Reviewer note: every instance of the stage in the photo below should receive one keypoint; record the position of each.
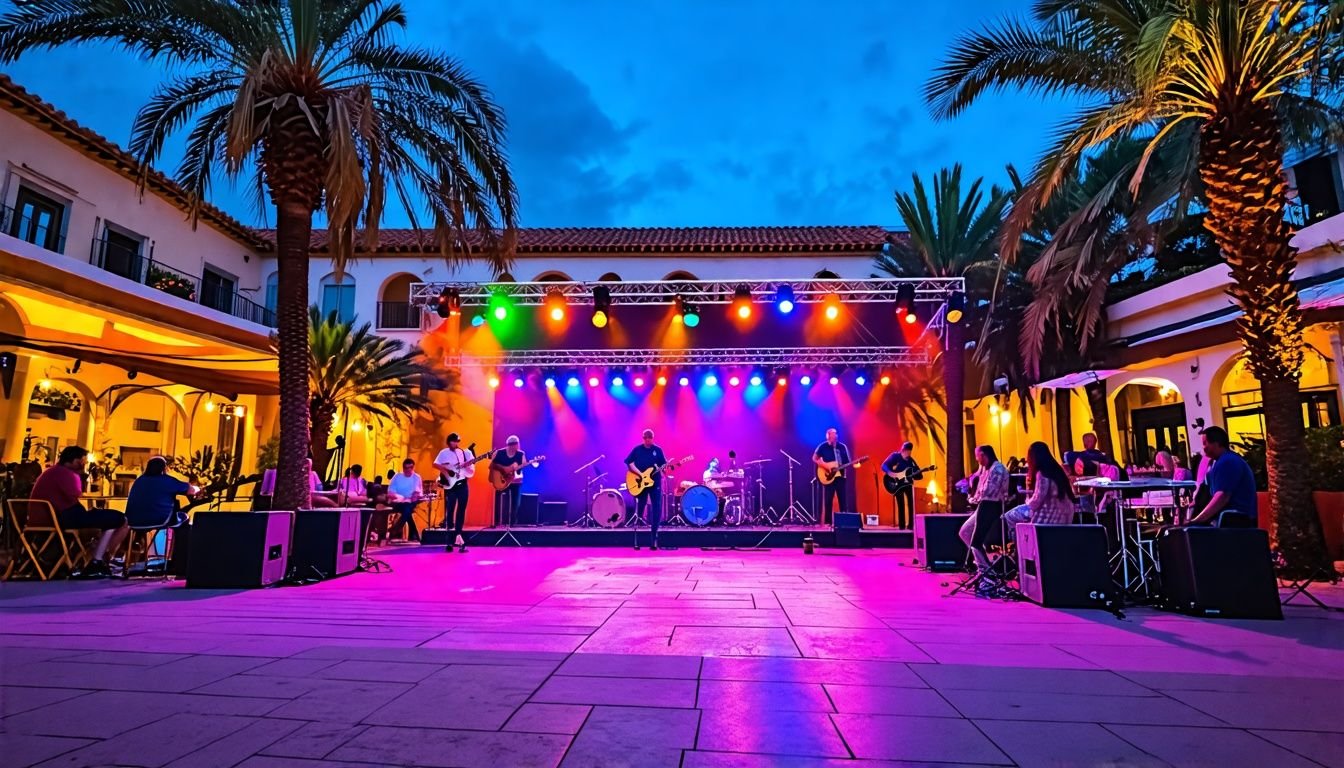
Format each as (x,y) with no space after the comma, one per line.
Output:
(675,537)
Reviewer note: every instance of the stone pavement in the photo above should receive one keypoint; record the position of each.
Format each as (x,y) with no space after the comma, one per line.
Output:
(586,657)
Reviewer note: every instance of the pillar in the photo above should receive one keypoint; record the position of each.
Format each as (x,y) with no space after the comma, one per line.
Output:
(15,407)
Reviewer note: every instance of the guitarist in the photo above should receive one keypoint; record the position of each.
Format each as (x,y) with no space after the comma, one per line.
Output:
(510,458)
(642,457)
(901,461)
(832,453)
(454,464)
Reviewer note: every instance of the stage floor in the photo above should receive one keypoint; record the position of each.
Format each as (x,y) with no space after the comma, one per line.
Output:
(584,657)
(677,537)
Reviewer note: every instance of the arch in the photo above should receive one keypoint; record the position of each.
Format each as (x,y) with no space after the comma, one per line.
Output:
(825,274)
(12,318)
(505,277)
(337,294)
(609,277)
(1149,415)
(679,274)
(552,276)
(272,295)
(397,287)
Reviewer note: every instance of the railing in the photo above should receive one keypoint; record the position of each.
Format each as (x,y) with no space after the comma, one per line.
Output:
(399,315)
(118,259)
(20,226)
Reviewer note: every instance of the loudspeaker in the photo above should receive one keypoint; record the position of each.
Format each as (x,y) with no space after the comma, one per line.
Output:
(554,513)
(1219,572)
(233,550)
(1064,566)
(527,509)
(326,542)
(937,545)
(846,526)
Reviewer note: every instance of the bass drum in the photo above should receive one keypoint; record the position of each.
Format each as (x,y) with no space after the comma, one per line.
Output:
(609,508)
(733,513)
(699,505)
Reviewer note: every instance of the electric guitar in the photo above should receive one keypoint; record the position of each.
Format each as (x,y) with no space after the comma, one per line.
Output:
(828,472)
(639,482)
(502,475)
(895,481)
(448,479)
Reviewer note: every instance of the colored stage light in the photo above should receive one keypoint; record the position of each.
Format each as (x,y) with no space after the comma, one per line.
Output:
(592,381)
(499,305)
(518,382)
(687,312)
(683,381)
(477,320)
(550,382)
(617,382)
(905,303)
(782,381)
(448,303)
(734,381)
(832,305)
(835,380)
(956,307)
(885,380)
(573,381)
(639,381)
(860,380)
(742,301)
(601,306)
(711,380)
(756,380)
(555,304)
(805,381)
(784,299)
(494,382)
(662,381)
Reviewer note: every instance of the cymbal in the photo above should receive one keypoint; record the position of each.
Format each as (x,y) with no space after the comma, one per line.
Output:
(755,461)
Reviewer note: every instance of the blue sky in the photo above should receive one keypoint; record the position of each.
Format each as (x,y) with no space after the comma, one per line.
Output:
(677,113)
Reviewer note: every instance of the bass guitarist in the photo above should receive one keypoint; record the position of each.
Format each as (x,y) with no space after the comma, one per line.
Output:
(902,464)
(832,455)
(645,456)
(456,465)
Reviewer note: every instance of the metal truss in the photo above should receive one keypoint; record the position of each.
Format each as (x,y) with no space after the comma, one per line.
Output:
(681,358)
(666,292)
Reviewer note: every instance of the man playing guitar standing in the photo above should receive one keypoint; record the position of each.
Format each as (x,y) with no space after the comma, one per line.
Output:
(832,454)
(644,456)
(510,460)
(456,466)
(902,462)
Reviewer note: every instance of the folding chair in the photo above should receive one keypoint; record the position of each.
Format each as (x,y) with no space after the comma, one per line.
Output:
(38,530)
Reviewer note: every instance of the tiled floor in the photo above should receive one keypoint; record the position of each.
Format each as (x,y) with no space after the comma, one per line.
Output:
(545,657)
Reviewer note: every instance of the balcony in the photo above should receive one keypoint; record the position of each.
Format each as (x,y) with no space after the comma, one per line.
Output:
(41,231)
(398,315)
(129,263)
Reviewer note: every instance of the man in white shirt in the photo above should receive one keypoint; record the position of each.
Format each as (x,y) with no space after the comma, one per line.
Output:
(456,468)
(404,491)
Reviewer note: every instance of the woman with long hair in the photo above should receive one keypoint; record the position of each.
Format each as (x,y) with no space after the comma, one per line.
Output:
(1052,501)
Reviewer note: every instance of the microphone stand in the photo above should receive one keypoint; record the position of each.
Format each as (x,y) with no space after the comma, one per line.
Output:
(587,520)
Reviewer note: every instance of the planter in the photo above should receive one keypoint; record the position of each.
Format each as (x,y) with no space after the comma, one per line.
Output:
(1330,509)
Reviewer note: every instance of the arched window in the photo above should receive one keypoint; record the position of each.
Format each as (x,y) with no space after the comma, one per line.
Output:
(610,277)
(680,275)
(273,291)
(504,277)
(826,274)
(553,277)
(338,296)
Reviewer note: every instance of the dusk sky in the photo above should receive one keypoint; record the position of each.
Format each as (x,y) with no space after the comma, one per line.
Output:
(691,113)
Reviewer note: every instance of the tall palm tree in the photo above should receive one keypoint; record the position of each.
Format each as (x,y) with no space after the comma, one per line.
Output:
(1220,81)
(355,372)
(316,102)
(949,234)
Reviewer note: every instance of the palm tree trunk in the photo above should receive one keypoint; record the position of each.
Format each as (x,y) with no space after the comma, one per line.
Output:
(323,417)
(294,226)
(1241,154)
(1101,417)
(954,391)
(1063,419)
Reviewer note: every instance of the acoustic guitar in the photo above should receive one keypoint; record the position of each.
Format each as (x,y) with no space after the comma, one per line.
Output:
(828,472)
(502,475)
(464,471)
(639,482)
(895,481)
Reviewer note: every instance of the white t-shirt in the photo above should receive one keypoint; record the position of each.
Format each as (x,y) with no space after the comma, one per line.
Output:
(457,458)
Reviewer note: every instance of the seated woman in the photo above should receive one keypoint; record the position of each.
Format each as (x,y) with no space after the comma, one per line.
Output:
(1165,464)
(352,491)
(318,497)
(1052,501)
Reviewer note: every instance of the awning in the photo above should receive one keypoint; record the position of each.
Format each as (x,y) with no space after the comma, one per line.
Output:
(1079,379)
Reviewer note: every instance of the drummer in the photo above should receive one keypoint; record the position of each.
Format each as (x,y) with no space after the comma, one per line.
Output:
(711,470)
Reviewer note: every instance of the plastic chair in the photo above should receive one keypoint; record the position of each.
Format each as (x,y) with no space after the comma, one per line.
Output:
(38,530)
(148,532)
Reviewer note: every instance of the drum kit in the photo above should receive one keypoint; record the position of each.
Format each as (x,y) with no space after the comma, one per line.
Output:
(733,497)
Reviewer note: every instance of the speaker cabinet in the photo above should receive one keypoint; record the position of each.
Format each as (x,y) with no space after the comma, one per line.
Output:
(326,542)
(847,526)
(937,544)
(236,550)
(528,506)
(1064,566)
(554,513)
(1224,572)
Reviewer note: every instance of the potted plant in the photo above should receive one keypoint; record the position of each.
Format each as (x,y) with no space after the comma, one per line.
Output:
(170,282)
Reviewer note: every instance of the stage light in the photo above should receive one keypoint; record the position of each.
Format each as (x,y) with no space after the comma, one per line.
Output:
(711,380)
(956,307)
(448,303)
(592,381)
(782,381)
(784,299)
(742,301)
(885,380)
(683,381)
(806,380)
(617,381)
(860,380)
(499,305)
(477,320)
(601,306)
(550,382)
(734,381)
(639,381)
(832,305)
(662,381)
(687,312)
(573,381)
(494,382)
(555,304)
(835,380)
(518,382)
(756,380)
(905,303)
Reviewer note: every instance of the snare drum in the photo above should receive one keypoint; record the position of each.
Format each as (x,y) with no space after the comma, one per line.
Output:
(699,505)
(609,508)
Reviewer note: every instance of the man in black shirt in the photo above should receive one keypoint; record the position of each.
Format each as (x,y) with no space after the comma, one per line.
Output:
(902,461)
(510,457)
(642,457)
(832,452)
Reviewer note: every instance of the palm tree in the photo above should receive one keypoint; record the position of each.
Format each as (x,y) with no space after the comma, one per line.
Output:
(314,101)
(1221,82)
(356,372)
(949,234)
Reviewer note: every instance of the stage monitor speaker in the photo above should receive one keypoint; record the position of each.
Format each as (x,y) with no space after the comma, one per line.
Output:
(847,526)
(235,550)
(1223,572)
(527,509)
(554,513)
(1064,566)
(326,542)
(937,545)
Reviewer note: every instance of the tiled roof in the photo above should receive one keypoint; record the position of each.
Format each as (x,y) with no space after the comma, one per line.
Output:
(28,106)
(861,239)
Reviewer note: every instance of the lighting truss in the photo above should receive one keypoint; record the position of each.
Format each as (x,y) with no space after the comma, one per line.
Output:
(702,292)
(678,358)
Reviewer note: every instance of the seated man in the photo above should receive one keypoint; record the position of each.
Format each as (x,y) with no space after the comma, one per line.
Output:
(318,497)
(1231,485)
(404,491)
(62,485)
(352,491)
(152,502)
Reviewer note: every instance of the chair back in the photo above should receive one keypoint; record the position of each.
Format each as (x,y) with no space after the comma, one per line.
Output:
(1109,471)
(268,483)
(32,513)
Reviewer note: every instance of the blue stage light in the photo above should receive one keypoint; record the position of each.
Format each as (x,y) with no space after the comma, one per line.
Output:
(756,380)
(784,299)
(806,380)
(477,321)
(711,380)
(683,381)
(860,380)
(573,381)
(617,382)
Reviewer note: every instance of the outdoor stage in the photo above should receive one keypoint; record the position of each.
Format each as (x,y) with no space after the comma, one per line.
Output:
(585,657)
(676,537)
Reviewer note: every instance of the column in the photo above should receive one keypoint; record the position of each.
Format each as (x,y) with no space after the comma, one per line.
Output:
(16,407)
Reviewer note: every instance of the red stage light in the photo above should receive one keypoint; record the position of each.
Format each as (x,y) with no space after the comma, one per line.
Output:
(885,380)
(744,312)
(832,304)
(910,317)
(782,381)
(494,382)
(662,381)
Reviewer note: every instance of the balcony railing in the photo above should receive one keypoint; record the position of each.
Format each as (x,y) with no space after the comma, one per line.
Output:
(128,263)
(398,315)
(11,223)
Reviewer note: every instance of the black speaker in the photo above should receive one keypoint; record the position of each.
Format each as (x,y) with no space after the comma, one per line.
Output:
(1064,566)
(937,545)
(847,526)
(528,504)
(554,513)
(233,550)
(326,542)
(1223,572)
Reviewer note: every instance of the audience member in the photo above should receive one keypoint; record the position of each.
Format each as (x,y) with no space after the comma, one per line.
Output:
(352,491)
(62,485)
(1231,485)
(152,501)
(1052,501)
(991,483)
